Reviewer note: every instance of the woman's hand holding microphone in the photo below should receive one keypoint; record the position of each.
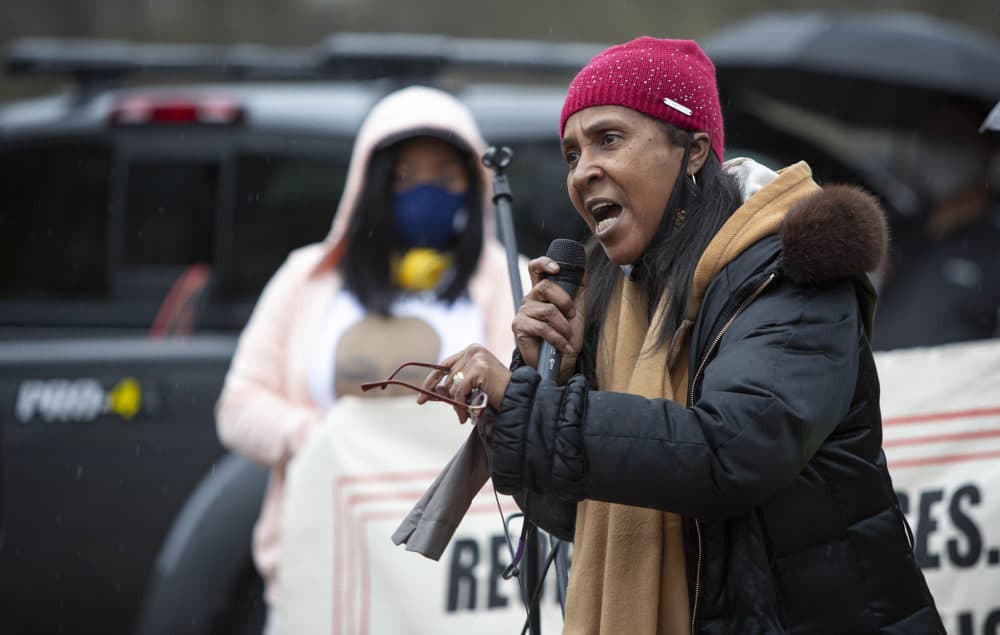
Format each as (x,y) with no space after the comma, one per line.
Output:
(547,313)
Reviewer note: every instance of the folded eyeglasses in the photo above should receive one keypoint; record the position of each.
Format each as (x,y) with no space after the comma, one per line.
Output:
(474,404)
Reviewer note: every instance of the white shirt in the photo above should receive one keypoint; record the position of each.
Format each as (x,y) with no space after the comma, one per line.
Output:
(456,326)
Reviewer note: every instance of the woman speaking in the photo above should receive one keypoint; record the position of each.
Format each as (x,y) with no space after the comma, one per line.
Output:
(716,417)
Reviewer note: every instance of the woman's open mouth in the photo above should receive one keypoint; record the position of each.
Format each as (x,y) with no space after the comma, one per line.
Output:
(606,214)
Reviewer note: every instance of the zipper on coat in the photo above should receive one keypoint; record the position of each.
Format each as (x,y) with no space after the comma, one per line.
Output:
(725,327)
(694,382)
(697,577)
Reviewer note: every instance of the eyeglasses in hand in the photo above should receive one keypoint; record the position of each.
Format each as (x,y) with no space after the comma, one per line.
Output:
(473,405)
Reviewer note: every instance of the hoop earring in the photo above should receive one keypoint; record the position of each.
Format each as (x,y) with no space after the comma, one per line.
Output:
(693,180)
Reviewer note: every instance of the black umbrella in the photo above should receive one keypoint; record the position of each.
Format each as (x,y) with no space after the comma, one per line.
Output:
(992,121)
(876,68)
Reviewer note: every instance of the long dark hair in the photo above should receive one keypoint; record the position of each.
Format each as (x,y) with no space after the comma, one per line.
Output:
(669,262)
(372,239)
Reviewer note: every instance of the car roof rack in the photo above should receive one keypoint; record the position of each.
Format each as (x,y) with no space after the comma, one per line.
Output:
(339,56)
(401,54)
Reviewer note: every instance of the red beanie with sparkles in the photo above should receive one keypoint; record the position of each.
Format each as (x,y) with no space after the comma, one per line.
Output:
(670,80)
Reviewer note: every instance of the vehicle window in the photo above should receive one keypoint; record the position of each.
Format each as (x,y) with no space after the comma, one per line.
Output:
(542,210)
(170,211)
(53,220)
(282,202)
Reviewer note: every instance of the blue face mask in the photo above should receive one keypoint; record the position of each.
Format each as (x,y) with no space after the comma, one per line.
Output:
(429,216)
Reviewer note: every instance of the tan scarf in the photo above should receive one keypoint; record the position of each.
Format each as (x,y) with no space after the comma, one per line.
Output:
(629,573)
(628,562)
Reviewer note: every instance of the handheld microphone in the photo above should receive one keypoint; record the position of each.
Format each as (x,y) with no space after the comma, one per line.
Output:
(572,259)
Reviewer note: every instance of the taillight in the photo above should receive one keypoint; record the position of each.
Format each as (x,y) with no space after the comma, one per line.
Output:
(151,110)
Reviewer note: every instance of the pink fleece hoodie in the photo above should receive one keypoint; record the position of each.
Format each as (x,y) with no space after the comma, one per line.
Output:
(265,412)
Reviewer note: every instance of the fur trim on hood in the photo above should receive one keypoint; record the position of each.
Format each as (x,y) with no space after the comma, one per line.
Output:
(838,232)
(827,233)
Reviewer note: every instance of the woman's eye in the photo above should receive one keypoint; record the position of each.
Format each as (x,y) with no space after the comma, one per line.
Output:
(609,137)
(572,156)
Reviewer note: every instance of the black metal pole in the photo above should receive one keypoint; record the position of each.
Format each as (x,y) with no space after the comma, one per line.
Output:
(498,159)
(532,578)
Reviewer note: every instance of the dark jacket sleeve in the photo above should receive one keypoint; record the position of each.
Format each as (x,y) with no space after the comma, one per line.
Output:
(551,512)
(782,380)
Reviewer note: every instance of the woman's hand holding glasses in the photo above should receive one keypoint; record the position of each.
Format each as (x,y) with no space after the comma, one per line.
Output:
(473,378)
(465,374)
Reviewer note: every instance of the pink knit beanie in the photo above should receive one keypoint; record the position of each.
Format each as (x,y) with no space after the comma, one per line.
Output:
(670,80)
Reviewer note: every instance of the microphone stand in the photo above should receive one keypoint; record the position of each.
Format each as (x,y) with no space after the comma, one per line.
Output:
(498,160)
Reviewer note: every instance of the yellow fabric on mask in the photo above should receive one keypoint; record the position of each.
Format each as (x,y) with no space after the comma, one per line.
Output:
(420,268)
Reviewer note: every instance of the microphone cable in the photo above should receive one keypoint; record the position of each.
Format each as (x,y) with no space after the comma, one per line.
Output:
(512,570)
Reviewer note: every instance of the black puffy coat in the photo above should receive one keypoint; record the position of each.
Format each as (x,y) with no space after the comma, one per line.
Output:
(776,463)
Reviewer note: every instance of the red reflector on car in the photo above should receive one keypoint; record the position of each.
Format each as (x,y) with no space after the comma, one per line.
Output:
(150,110)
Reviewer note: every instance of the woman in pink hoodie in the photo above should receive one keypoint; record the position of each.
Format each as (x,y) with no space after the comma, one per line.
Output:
(410,270)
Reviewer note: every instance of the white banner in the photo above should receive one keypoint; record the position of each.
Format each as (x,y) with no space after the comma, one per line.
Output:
(941,414)
(366,467)
(346,493)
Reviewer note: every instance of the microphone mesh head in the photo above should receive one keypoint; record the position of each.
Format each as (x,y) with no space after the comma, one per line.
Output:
(572,259)
(565,251)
